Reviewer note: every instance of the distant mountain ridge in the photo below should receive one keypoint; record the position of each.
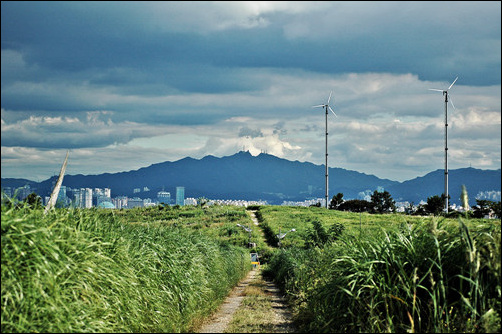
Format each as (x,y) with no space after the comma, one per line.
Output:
(267,177)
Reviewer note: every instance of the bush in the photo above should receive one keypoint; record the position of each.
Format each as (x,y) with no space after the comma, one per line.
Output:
(317,236)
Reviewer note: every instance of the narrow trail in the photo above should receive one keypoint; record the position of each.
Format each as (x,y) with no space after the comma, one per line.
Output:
(252,213)
(219,321)
(277,317)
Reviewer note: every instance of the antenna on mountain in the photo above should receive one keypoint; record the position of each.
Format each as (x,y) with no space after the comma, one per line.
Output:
(326,107)
(445,93)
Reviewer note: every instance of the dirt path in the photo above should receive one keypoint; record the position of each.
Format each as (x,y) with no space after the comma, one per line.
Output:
(219,321)
(252,213)
(275,317)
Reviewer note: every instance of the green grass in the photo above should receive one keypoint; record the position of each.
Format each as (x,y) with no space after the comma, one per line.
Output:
(301,218)
(396,274)
(163,269)
(95,271)
(218,222)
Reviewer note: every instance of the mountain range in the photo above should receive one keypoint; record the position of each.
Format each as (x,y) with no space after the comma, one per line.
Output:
(267,177)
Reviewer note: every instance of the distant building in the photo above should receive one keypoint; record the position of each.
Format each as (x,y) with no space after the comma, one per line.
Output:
(7,192)
(134,202)
(120,202)
(62,200)
(23,192)
(180,195)
(82,197)
(190,201)
(147,202)
(106,205)
(100,195)
(86,197)
(164,197)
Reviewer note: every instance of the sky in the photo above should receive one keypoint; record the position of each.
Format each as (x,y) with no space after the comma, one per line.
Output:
(123,85)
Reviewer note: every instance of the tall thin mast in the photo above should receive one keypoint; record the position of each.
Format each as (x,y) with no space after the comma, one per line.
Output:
(446,151)
(326,107)
(445,93)
(326,156)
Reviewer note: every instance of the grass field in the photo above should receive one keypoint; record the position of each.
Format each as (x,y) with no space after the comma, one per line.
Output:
(110,271)
(387,273)
(163,269)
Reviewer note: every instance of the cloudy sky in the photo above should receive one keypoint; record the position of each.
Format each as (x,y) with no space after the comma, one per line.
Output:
(123,85)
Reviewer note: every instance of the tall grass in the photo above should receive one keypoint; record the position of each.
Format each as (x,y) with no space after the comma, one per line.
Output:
(428,277)
(88,271)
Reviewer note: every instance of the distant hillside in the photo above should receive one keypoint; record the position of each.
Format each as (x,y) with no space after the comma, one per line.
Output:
(475,181)
(267,177)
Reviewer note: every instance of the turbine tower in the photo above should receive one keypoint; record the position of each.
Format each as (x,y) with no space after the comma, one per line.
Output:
(326,107)
(445,93)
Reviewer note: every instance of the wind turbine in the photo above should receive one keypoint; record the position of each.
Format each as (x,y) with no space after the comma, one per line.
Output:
(326,107)
(445,93)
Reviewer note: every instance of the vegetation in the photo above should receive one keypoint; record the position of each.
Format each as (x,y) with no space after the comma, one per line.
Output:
(404,273)
(484,207)
(165,269)
(97,271)
(381,202)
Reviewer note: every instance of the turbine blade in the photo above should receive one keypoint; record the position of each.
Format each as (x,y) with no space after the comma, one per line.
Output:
(453,83)
(329,98)
(321,105)
(437,90)
(451,101)
(332,111)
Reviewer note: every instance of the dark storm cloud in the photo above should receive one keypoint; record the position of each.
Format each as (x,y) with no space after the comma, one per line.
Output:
(248,132)
(69,37)
(214,66)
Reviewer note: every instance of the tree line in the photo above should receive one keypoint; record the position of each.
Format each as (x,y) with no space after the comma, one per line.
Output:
(382,202)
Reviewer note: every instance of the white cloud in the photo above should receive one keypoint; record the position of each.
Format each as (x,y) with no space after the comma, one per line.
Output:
(71,132)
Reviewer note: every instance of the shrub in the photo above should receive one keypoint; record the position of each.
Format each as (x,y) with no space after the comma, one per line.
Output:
(317,236)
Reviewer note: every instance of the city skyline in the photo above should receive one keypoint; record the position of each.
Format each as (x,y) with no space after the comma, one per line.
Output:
(124,85)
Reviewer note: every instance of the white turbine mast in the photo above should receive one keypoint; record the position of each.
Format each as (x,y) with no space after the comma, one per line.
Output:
(326,107)
(445,94)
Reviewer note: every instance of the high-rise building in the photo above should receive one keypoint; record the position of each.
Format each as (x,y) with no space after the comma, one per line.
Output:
(120,202)
(180,195)
(85,198)
(164,197)
(62,199)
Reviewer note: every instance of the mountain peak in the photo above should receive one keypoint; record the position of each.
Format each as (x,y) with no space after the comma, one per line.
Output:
(268,177)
